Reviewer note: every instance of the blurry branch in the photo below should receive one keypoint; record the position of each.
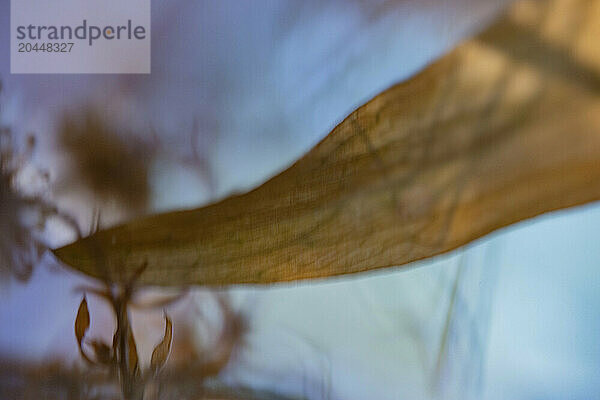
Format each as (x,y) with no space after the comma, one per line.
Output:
(23,215)
(212,360)
(121,361)
(112,163)
(198,368)
(200,142)
(53,381)
(504,128)
(121,358)
(123,374)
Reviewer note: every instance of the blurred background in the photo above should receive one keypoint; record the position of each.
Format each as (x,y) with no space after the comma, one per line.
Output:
(238,91)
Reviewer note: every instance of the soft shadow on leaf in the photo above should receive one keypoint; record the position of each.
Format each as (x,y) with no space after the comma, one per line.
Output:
(485,137)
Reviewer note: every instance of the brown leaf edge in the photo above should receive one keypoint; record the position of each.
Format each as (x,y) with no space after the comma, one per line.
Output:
(162,350)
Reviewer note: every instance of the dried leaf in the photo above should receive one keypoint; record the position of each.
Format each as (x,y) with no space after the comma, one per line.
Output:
(162,350)
(82,321)
(481,139)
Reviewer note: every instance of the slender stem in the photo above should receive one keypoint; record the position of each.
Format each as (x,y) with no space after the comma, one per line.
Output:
(127,376)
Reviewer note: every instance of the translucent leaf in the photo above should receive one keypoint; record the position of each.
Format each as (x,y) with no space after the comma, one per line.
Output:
(491,134)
